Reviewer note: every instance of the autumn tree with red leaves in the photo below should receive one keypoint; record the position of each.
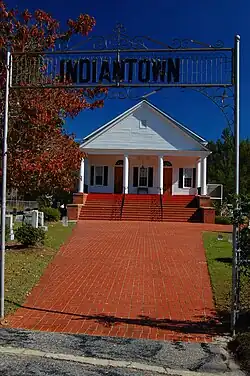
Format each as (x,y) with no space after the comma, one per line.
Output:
(42,158)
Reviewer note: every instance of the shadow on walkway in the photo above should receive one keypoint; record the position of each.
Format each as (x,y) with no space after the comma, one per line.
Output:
(211,325)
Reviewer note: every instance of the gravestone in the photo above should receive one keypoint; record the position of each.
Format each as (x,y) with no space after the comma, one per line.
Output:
(34,219)
(40,219)
(31,218)
(9,223)
(27,219)
(65,221)
(19,218)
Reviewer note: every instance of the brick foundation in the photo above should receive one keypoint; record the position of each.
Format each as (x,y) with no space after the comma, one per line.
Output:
(79,198)
(204,201)
(73,211)
(208,215)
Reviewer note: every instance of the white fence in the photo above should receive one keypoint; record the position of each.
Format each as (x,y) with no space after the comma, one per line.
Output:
(21,205)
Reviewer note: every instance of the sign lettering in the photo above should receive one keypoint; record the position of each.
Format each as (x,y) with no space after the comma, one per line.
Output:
(129,70)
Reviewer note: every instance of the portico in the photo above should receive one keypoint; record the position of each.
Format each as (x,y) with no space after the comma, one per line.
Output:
(130,173)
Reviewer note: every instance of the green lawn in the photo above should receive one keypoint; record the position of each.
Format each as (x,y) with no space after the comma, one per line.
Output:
(25,267)
(219,257)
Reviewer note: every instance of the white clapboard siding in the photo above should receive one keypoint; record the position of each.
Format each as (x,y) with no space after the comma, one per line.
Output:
(160,134)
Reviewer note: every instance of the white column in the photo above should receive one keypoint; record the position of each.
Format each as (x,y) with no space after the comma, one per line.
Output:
(204,177)
(160,168)
(81,181)
(125,174)
(198,173)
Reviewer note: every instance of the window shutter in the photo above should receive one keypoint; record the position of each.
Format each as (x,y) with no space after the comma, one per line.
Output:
(194,177)
(92,173)
(135,177)
(150,176)
(180,177)
(105,180)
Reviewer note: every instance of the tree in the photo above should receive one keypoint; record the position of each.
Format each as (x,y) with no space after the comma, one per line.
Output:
(221,164)
(41,156)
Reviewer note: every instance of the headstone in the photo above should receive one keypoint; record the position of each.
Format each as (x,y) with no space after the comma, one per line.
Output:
(27,218)
(41,219)
(34,219)
(9,223)
(31,218)
(65,221)
(19,218)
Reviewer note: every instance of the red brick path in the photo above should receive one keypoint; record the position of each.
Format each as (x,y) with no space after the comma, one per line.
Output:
(128,279)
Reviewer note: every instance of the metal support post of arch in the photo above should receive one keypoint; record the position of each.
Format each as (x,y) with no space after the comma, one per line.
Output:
(236,250)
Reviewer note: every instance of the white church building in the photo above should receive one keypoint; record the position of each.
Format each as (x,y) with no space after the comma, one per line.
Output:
(144,151)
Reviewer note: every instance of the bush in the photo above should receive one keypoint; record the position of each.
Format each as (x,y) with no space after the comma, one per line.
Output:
(217,205)
(241,348)
(223,220)
(28,235)
(51,214)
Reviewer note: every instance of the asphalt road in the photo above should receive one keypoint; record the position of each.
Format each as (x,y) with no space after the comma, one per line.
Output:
(41,354)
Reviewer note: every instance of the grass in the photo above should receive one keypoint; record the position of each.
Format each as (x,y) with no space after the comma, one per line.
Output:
(219,258)
(25,266)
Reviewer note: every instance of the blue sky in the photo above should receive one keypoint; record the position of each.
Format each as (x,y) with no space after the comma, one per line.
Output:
(206,21)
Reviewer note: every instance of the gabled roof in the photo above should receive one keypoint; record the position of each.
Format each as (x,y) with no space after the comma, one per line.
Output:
(110,124)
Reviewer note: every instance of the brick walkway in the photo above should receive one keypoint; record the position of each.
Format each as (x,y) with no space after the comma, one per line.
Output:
(128,279)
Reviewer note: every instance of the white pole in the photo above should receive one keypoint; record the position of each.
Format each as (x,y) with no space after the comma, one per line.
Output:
(4,180)
(81,181)
(198,173)
(204,177)
(126,174)
(235,276)
(161,168)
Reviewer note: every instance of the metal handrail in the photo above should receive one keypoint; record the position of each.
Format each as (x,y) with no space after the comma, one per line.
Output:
(123,201)
(161,203)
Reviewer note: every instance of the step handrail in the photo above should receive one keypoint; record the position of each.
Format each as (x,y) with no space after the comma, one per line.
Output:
(123,201)
(161,204)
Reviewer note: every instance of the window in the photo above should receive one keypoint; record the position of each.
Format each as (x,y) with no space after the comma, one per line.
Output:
(99,175)
(187,177)
(143,124)
(143,176)
(119,162)
(143,179)
(167,164)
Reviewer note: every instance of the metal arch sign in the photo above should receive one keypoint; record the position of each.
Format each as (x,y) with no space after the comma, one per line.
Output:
(120,61)
(124,62)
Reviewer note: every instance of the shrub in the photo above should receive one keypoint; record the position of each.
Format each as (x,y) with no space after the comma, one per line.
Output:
(217,205)
(28,235)
(51,214)
(223,220)
(241,348)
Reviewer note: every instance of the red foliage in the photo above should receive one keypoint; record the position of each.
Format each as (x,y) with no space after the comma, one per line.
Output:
(41,157)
